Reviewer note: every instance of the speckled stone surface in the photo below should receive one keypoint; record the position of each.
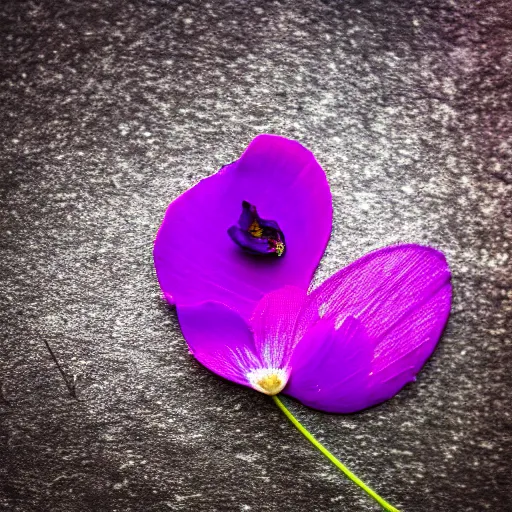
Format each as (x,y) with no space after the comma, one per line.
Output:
(109,110)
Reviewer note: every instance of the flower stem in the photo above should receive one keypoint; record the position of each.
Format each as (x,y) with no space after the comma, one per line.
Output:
(383,503)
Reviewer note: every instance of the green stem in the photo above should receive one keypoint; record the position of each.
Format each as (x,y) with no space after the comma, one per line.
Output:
(384,504)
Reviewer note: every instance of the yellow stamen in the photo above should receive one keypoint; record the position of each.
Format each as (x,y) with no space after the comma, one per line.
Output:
(270,381)
(279,248)
(272,384)
(255,229)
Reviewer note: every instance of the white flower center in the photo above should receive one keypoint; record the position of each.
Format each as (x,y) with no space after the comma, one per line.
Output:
(270,381)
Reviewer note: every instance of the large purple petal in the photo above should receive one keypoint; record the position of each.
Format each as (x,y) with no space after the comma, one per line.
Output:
(401,295)
(330,369)
(220,340)
(197,261)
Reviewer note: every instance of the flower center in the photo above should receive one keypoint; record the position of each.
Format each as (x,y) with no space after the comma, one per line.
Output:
(270,381)
(272,384)
(256,235)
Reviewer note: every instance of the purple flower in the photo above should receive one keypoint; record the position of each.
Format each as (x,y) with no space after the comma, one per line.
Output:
(353,342)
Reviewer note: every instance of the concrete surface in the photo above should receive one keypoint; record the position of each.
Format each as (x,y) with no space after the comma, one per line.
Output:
(109,110)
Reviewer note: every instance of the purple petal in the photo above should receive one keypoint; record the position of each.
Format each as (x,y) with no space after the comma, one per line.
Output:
(401,295)
(273,323)
(330,367)
(197,261)
(219,339)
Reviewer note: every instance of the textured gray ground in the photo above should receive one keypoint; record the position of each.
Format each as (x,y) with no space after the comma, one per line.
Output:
(109,110)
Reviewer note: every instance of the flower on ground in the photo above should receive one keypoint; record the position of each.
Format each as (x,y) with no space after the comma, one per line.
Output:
(352,342)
